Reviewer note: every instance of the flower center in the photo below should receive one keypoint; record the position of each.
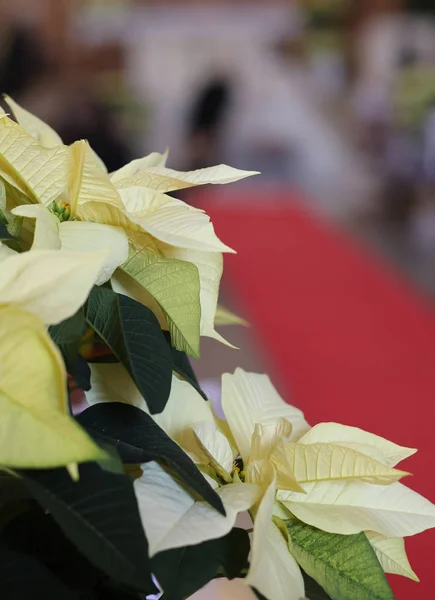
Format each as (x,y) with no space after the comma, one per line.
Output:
(62,210)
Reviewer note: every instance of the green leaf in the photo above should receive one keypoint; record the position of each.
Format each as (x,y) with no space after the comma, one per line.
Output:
(138,439)
(313,591)
(133,333)
(183,367)
(37,534)
(82,374)
(99,515)
(23,577)
(4,233)
(345,566)
(258,595)
(183,571)
(175,285)
(68,336)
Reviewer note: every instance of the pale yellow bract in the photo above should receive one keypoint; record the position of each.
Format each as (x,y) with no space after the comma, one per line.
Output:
(40,288)
(128,213)
(336,478)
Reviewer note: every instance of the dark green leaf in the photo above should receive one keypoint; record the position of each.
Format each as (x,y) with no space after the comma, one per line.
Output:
(12,489)
(110,590)
(345,566)
(138,439)
(258,595)
(99,514)
(183,367)
(22,577)
(14,498)
(4,233)
(183,571)
(313,591)
(82,375)
(36,533)
(133,333)
(67,336)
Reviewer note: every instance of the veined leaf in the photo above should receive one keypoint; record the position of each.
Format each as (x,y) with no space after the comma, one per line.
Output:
(166,180)
(273,571)
(285,476)
(99,515)
(68,336)
(372,445)
(155,159)
(314,591)
(171,221)
(248,399)
(172,518)
(51,284)
(37,172)
(216,448)
(89,182)
(175,286)
(391,554)
(210,268)
(36,430)
(345,566)
(182,367)
(183,571)
(112,383)
(349,507)
(139,439)
(134,335)
(325,462)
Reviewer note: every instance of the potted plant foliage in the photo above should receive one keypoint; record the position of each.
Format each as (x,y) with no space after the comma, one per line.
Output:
(107,284)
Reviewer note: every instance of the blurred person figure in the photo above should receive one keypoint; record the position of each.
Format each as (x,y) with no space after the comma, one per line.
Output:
(22,59)
(99,125)
(423,222)
(429,146)
(206,121)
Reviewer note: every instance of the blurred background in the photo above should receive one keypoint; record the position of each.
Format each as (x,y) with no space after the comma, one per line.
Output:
(334,102)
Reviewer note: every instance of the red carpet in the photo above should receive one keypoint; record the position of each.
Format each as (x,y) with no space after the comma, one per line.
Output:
(350,340)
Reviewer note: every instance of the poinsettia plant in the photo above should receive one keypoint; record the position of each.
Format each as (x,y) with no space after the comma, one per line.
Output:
(109,283)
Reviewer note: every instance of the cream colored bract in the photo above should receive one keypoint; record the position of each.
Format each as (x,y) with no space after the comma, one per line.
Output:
(67,226)
(128,209)
(36,289)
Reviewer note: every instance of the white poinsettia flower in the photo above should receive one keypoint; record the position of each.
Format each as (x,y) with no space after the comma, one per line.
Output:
(37,289)
(173,518)
(353,505)
(190,521)
(391,554)
(336,478)
(180,231)
(5,251)
(49,284)
(257,419)
(152,172)
(273,571)
(76,236)
(112,383)
(73,183)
